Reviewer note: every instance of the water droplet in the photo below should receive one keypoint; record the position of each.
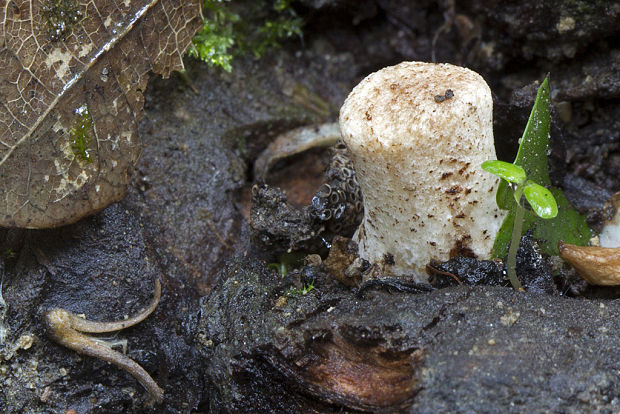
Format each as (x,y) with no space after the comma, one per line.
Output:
(326,243)
(339,211)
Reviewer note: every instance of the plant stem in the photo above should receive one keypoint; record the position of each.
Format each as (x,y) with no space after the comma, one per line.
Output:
(511,265)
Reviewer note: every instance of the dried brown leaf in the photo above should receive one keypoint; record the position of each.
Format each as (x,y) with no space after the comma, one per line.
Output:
(71,87)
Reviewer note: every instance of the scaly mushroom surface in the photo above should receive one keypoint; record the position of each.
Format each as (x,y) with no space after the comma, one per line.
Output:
(417,134)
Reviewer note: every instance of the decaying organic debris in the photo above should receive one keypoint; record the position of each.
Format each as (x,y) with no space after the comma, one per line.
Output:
(336,207)
(71,87)
(597,265)
(610,233)
(68,330)
(451,350)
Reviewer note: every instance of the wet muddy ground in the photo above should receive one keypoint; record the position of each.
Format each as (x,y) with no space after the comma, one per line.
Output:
(230,334)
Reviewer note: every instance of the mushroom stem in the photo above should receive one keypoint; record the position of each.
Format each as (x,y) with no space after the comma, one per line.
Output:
(417,134)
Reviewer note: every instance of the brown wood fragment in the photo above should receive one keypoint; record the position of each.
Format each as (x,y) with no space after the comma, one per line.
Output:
(598,265)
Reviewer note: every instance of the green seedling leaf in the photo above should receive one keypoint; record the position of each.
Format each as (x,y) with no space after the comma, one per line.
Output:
(568,226)
(278,267)
(541,200)
(532,157)
(507,171)
(287,261)
(533,147)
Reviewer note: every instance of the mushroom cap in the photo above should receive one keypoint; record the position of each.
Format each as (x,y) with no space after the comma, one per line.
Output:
(397,106)
(417,133)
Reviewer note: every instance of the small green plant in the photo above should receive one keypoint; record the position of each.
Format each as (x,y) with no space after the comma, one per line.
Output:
(213,43)
(539,198)
(229,32)
(287,261)
(278,267)
(271,32)
(551,216)
(8,254)
(302,291)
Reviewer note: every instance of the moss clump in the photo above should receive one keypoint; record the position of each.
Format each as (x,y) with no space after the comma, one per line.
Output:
(60,17)
(80,134)
(232,29)
(213,43)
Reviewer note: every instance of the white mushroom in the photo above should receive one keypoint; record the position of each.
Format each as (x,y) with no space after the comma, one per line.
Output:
(417,134)
(610,234)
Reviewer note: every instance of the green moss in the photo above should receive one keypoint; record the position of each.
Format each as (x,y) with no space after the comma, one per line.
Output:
(80,134)
(214,42)
(231,29)
(271,32)
(60,17)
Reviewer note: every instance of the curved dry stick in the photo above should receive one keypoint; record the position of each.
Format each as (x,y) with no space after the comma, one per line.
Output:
(83,325)
(66,329)
(295,142)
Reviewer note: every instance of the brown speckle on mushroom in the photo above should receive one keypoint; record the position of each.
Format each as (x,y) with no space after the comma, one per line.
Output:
(403,117)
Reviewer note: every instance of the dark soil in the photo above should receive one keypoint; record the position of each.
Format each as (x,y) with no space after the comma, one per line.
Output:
(231,335)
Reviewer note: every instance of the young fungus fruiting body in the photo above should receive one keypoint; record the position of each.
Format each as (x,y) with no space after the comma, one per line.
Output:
(417,134)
